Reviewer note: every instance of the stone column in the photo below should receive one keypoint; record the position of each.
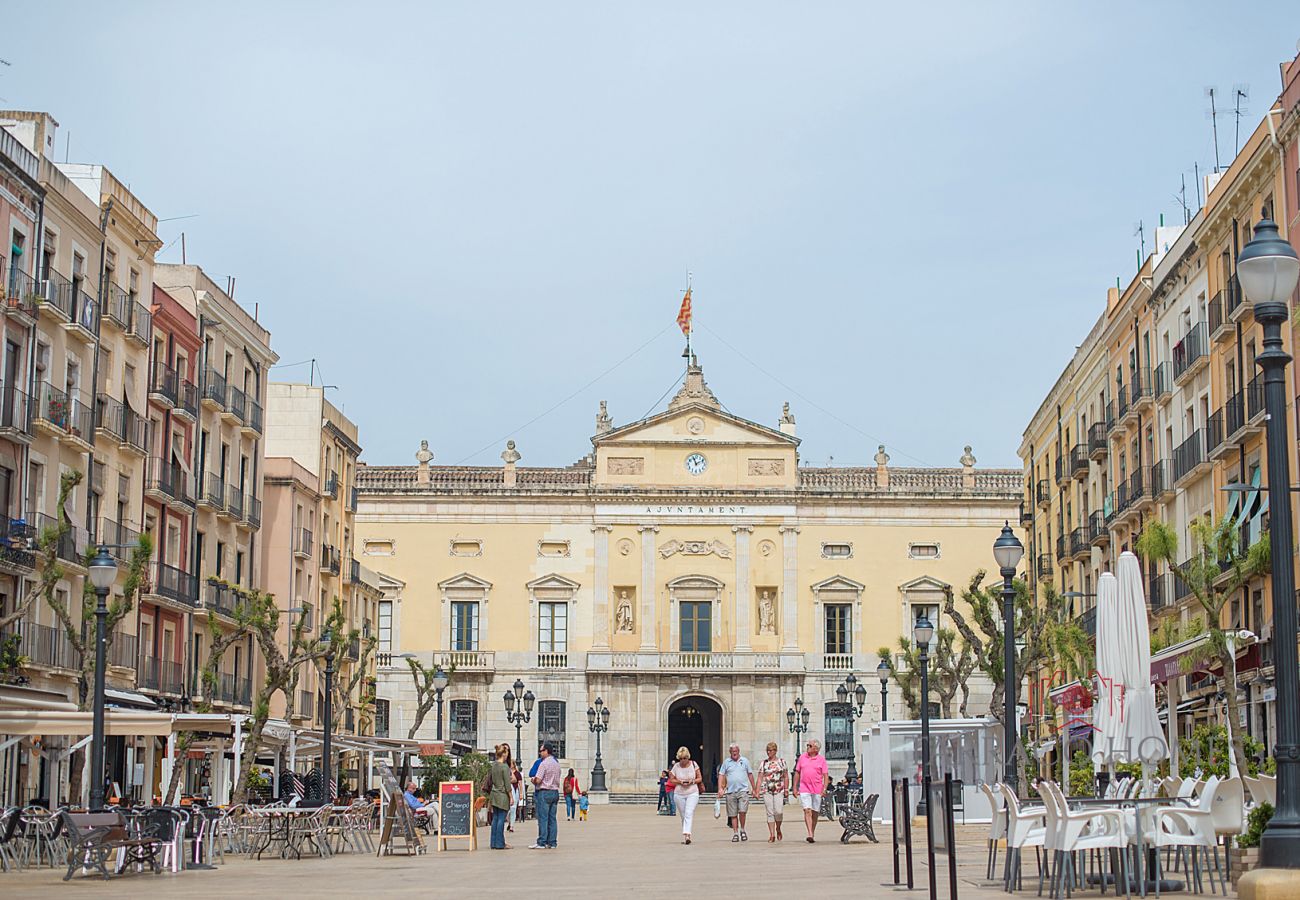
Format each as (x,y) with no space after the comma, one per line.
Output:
(744,593)
(600,602)
(648,636)
(790,587)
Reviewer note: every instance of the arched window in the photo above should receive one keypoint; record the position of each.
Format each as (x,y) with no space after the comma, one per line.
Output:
(463,722)
(550,724)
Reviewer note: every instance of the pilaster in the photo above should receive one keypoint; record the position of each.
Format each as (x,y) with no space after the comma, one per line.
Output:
(648,625)
(744,598)
(600,630)
(790,588)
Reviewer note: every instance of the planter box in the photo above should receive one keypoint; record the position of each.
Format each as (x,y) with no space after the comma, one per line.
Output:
(1242,860)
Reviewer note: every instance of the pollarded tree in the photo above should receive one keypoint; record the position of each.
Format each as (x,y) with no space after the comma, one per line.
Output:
(1218,569)
(336,624)
(426,691)
(950,670)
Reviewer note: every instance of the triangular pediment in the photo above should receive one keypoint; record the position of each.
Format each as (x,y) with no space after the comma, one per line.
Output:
(553,582)
(389,583)
(924,584)
(695,423)
(465,581)
(838,583)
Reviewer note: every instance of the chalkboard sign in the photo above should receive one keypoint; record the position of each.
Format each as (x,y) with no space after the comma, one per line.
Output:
(456,813)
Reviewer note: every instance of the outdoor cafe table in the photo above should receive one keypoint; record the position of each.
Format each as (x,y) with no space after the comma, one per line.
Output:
(1147,860)
(280,828)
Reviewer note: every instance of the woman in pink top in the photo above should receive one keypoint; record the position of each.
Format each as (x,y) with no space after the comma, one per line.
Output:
(813,776)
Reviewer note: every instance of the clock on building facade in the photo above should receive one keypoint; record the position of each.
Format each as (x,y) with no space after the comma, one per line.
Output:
(696,463)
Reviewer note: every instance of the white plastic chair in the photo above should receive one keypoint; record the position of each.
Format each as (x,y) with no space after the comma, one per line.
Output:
(1025,828)
(997,824)
(1262,789)
(1182,828)
(1070,832)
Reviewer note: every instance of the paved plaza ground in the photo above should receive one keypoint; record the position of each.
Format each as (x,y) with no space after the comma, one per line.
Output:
(621,850)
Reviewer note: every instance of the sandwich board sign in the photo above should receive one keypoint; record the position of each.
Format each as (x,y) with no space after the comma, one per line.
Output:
(456,806)
(398,820)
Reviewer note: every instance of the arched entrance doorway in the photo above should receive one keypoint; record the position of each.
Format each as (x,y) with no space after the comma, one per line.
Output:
(696,724)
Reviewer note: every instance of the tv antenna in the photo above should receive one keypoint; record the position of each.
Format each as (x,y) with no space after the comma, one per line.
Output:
(1140,233)
(1240,96)
(1213,113)
(1181,197)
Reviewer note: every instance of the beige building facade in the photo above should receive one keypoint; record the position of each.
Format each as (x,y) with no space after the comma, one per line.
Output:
(688,571)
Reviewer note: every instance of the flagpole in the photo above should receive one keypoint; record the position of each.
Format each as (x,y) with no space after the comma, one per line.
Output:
(690,324)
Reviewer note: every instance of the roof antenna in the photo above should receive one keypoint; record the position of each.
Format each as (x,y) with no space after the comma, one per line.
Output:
(1196,172)
(1182,198)
(1213,114)
(1240,92)
(1140,233)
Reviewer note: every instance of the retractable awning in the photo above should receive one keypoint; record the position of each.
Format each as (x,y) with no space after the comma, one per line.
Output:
(15,696)
(122,722)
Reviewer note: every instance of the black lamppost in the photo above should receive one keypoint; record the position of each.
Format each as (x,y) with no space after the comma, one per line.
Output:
(440,680)
(1008,551)
(1268,269)
(327,760)
(853,695)
(598,724)
(922,633)
(103,572)
(524,700)
(882,672)
(797,718)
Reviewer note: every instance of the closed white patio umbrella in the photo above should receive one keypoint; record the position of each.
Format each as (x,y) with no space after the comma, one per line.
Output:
(1142,738)
(1106,718)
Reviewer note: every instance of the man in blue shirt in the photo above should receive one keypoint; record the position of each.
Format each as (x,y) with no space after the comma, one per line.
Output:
(736,782)
(412,800)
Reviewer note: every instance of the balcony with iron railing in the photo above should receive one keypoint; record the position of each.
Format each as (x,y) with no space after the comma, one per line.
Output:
(1122,395)
(110,416)
(1191,353)
(187,400)
(1190,458)
(117,305)
(67,415)
(1026,515)
(252,416)
(221,597)
(162,676)
(17,547)
(354,571)
(351,504)
(330,560)
(1162,479)
(43,645)
(1098,440)
(302,545)
(234,502)
(72,546)
(306,707)
(252,511)
(140,329)
(84,325)
(1098,532)
(175,584)
(1220,325)
(233,690)
(123,651)
(332,485)
(1062,548)
(1143,393)
(1044,567)
(1088,622)
(1235,304)
(163,385)
(15,414)
(119,538)
(213,495)
(1139,488)
(19,292)
(54,297)
(1158,592)
(236,405)
(213,394)
(1079,461)
(1162,380)
(1080,544)
(168,483)
(1043,492)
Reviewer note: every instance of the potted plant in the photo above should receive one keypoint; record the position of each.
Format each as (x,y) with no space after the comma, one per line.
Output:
(1245,855)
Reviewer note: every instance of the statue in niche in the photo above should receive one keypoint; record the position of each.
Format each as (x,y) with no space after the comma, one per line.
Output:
(766,613)
(623,614)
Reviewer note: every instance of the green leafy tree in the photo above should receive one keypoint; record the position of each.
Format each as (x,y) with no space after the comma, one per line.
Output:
(345,685)
(1218,569)
(950,671)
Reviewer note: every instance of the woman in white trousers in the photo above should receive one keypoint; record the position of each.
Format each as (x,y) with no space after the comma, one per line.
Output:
(686,778)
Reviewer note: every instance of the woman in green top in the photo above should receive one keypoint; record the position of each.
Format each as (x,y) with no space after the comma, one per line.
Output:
(499,797)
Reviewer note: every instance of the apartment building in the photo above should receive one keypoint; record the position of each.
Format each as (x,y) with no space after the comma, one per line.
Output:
(1182,415)
(309,438)
(230,358)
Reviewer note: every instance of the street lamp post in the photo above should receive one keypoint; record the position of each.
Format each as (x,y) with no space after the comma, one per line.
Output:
(598,724)
(440,680)
(519,709)
(922,633)
(327,760)
(855,696)
(1008,551)
(1268,269)
(882,672)
(103,572)
(797,718)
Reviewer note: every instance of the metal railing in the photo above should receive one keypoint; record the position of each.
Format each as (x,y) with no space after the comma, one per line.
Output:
(1255,398)
(1217,315)
(175,584)
(161,675)
(329,559)
(1190,350)
(235,501)
(332,485)
(72,547)
(170,480)
(1163,380)
(1097,530)
(67,412)
(43,645)
(1088,622)
(1141,386)
(141,327)
(1080,542)
(1215,431)
(1162,478)
(236,402)
(117,304)
(122,652)
(1232,297)
(253,511)
(119,538)
(110,417)
(1043,492)
(1079,460)
(1189,454)
(163,383)
(214,491)
(1044,568)
(214,387)
(55,294)
(253,415)
(1098,443)
(303,542)
(15,410)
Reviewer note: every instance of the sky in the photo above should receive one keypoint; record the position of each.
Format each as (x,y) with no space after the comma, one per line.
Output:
(479,219)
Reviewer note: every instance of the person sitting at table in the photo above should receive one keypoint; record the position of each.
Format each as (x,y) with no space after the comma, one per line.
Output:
(412,800)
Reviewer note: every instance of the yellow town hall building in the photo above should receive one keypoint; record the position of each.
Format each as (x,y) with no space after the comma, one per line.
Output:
(688,571)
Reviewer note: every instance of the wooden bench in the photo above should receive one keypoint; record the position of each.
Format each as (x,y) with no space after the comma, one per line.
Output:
(94,837)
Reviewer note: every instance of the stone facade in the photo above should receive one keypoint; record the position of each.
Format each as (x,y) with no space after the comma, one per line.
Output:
(688,571)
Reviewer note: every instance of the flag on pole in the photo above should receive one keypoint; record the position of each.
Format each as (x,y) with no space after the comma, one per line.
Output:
(684,315)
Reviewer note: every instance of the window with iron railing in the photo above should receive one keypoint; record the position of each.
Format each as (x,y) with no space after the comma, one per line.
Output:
(839,731)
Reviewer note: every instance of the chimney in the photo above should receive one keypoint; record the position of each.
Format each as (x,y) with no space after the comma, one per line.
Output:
(786,425)
(510,456)
(422,458)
